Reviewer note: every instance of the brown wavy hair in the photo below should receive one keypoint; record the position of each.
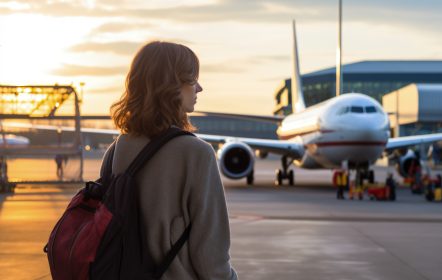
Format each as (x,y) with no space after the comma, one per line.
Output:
(151,102)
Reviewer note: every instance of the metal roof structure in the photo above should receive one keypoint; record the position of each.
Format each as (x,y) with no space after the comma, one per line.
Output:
(385,67)
(32,100)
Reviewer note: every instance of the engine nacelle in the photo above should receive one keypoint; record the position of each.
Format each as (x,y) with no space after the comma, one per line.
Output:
(236,160)
(405,162)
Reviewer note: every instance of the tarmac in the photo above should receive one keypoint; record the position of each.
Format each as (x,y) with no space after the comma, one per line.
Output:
(299,232)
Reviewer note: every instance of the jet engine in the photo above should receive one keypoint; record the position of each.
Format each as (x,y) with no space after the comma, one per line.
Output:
(236,160)
(405,162)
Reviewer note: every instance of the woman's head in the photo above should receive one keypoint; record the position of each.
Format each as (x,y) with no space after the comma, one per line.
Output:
(161,88)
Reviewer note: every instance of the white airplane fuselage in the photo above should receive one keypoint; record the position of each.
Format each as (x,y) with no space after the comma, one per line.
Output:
(351,128)
(13,140)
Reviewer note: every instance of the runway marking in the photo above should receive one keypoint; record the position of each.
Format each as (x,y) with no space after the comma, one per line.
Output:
(247,217)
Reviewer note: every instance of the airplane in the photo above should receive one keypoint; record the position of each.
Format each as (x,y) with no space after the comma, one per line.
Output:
(348,131)
(13,140)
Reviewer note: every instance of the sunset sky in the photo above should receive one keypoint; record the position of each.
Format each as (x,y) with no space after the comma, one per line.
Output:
(244,46)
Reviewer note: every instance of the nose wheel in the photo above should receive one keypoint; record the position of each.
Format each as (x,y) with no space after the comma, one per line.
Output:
(362,175)
(284,173)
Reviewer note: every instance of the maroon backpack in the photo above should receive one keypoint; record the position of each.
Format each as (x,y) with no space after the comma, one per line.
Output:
(101,234)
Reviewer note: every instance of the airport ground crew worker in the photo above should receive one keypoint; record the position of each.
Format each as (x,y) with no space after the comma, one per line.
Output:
(181,184)
(391,185)
(438,188)
(340,180)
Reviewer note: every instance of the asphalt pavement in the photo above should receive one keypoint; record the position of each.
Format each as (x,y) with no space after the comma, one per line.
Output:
(299,232)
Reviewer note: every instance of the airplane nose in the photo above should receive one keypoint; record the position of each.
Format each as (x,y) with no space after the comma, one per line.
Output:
(363,123)
(364,128)
(369,126)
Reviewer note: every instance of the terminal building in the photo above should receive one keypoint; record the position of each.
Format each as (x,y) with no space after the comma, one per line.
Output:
(374,78)
(234,127)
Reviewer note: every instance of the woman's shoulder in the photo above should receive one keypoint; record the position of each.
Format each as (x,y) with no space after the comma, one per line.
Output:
(194,144)
(185,145)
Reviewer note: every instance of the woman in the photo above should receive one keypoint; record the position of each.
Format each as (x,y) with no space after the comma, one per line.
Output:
(181,184)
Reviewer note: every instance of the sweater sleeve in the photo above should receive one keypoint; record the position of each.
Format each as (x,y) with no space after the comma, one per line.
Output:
(209,240)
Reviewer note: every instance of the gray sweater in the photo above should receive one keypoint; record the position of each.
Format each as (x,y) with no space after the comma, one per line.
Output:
(179,186)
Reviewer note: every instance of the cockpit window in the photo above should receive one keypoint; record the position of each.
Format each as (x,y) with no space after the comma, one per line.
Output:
(370,109)
(343,110)
(357,109)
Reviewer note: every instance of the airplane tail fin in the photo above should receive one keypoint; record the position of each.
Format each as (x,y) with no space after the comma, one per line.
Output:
(298,103)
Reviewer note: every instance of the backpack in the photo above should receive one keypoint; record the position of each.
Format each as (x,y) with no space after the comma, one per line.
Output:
(101,234)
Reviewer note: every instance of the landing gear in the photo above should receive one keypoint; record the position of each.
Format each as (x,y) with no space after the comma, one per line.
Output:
(291,178)
(370,176)
(361,175)
(250,178)
(364,174)
(283,173)
(279,178)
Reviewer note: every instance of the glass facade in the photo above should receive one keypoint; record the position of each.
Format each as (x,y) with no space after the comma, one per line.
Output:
(234,127)
(316,92)
(420,128)
(374,78)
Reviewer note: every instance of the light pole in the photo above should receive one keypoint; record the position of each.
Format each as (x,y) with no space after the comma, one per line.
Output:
(339,82)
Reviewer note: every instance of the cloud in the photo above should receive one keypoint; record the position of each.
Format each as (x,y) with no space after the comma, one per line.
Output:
(424,14)
(227,10)
(226,67)
(120,48)
(267,59)
(81,70)
(117,27)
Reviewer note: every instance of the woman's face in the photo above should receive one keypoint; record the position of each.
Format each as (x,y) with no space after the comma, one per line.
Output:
(188,96)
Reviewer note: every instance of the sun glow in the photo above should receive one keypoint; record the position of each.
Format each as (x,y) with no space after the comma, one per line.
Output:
(31,46)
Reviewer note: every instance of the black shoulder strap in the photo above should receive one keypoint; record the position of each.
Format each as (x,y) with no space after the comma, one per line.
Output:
(152,147)
(172,253)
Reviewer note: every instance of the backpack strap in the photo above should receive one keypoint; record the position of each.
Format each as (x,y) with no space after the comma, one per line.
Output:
(152,147)
(172,253)
(141,159)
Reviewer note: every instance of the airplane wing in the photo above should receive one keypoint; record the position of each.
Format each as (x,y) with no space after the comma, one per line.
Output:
(271,119)
(281,147)
(402,142)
